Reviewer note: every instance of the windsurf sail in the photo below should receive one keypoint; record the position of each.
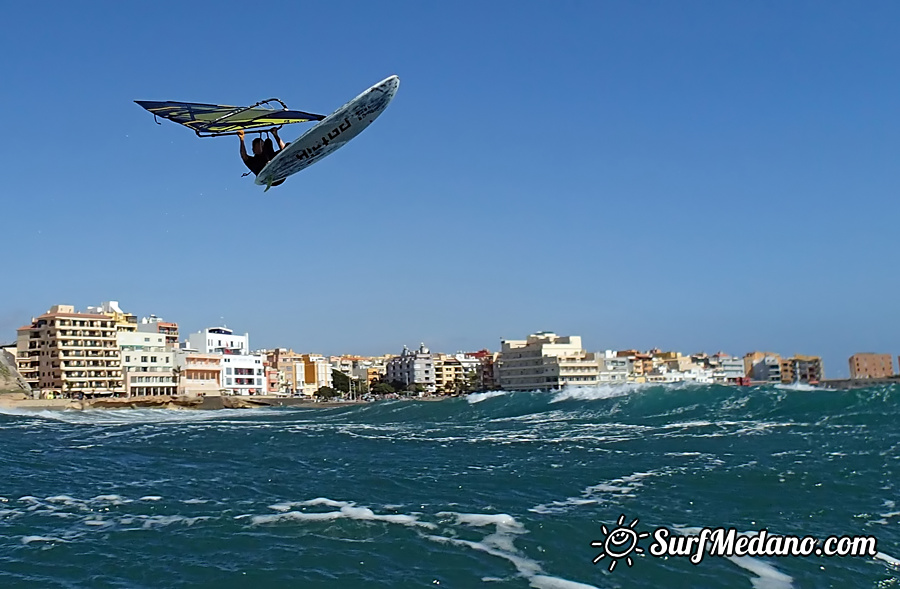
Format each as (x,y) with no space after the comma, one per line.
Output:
(210,120)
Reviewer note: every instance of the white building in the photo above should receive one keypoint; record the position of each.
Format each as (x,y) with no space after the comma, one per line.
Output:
(244,374)
(729,370)
(219,340)
(146,364)
(612,368)
(545,361)
(411,368)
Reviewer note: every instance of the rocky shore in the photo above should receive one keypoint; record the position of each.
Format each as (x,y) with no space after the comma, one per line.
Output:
(23,402)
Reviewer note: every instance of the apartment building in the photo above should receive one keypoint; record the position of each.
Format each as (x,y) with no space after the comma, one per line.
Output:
(291,369)
(243,373)
(450,376)
(545,361)
(868,365)
(728,369)
(487,369)
(316,373)
(766,369)
(154,324)
(612,369)
(754,358)
(806,369)
(147,364)
(198,374)
(70,353)
(219,340)
(412,368)
(126,322)
(640,364)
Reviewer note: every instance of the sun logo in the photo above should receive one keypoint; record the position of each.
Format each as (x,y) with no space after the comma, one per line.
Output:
(620,542)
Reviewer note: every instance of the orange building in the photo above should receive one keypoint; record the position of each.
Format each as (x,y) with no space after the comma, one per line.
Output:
(868,365)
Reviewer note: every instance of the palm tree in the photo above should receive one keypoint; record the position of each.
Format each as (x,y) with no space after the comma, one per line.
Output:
(176,376)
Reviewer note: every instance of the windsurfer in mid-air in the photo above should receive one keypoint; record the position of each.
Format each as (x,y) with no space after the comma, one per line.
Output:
(263,152)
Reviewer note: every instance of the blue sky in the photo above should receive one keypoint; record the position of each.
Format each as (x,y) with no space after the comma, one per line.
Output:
(691,176)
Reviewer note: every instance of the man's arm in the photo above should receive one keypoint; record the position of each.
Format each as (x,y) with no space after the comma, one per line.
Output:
(281,144)
(244,155)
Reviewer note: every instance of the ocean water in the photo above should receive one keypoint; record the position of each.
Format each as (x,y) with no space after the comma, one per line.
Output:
(493,490)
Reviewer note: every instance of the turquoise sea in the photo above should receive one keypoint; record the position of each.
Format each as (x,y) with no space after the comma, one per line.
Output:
(493,490)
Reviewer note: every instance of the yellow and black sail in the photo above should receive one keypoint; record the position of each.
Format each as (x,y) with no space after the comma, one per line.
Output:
(209,120)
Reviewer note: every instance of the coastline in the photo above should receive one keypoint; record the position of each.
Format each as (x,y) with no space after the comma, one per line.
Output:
(19,401)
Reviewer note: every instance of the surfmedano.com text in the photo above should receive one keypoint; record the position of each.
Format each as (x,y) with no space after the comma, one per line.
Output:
(728,542)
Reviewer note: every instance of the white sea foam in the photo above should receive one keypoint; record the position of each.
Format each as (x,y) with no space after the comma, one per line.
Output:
(61,499)
(30,539)
(888,559)
(167,520)
(125,416)
(500,543)
(767,576)
(347,511)
(594,393)
(324,501)
(479,397)
(545,582)
(150,498)
(622,487)
(114,499)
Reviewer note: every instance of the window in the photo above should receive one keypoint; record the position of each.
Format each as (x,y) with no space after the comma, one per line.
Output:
(128,358)
(146,339)
(153,358)
(228,370)
(143,358)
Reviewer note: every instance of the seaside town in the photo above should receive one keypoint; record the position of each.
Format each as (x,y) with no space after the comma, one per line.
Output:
(105,352)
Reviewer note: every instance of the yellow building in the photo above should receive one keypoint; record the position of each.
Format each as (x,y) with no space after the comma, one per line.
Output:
(126,322)
(449,374)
